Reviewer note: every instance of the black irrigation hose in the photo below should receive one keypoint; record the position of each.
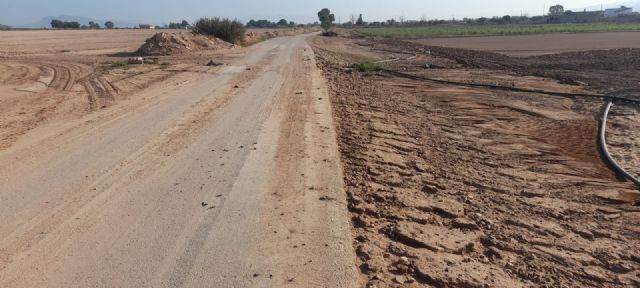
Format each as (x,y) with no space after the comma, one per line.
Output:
(514,89)
(603,122)
(605,152)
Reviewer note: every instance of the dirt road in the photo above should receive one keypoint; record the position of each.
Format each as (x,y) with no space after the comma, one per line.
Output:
(225,177)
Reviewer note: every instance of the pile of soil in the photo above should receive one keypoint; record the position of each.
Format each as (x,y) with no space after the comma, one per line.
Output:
(165,44)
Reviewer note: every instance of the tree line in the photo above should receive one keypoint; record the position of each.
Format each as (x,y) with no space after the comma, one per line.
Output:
(268,24)
(555,14)
(58,24)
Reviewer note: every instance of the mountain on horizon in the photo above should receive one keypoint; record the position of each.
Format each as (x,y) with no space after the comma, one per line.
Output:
(633,4)
(45,22)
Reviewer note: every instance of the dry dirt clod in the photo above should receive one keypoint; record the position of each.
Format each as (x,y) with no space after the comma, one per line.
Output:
(214,63)
(327,198)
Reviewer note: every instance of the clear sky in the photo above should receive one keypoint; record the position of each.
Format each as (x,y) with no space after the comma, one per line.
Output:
(17,12)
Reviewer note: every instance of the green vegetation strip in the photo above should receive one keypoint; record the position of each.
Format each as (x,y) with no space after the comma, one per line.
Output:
(367,66)
(481,30)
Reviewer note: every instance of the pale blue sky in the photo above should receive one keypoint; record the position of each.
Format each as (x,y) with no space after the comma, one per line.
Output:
(17,12)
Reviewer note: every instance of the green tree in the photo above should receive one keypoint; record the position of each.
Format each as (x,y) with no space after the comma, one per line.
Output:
(283,22)
(94,25)
(360,22)
(185,23)
(556,10)
(55,23)
(109,25)
(326,19)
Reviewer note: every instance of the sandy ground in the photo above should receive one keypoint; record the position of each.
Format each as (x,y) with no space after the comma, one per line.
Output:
(84,42)
(453,186)
(222,176)
(530,45)
(60,75)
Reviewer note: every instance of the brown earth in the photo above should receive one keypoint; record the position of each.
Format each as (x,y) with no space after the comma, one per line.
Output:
(60,75)
(605,71)
(200,180)
(166,43)
(256,35)
(534,45)
(455,186)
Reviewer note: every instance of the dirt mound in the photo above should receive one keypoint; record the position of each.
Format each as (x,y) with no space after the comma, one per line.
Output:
(164,44)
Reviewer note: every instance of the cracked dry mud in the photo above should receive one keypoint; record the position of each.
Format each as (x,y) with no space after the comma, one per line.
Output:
(452,186)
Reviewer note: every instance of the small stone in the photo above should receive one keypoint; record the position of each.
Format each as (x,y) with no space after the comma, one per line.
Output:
(533,194)
(214,63)
(403,260)
(429,189)
(612,216)
(402,269)
(362,238)
(492,252)
(585,233)
(362,253)
(608,210)
(400,279)
(463,223)
(327,198)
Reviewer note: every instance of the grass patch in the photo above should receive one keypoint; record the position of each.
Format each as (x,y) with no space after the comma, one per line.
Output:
(330,34)
(367,66)
(118,65)
(494,30)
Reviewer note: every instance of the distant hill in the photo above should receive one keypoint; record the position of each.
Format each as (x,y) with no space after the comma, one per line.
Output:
(46,22)
(633,4)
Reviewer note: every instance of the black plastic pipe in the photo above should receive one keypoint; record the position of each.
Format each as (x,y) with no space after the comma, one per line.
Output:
(605,152)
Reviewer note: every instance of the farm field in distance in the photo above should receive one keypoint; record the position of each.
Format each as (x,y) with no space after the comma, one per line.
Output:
(492,30)
(540,44)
